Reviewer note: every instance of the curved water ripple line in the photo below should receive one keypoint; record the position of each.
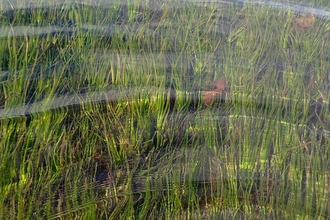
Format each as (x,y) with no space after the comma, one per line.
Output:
(284,5)
(70,100)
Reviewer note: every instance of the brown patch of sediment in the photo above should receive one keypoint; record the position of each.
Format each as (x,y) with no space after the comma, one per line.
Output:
(303,23)
(220,85)
(209,96)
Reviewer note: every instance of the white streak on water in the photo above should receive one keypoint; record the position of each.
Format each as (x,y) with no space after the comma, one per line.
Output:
(281,5)
(55,103)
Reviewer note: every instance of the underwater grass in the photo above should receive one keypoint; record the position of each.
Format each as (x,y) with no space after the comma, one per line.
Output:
(134,152)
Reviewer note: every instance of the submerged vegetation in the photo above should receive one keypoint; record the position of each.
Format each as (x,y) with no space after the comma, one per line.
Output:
(164,109)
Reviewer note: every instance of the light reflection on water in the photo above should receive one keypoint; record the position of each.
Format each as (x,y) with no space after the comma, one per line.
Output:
(295,6)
